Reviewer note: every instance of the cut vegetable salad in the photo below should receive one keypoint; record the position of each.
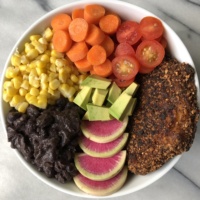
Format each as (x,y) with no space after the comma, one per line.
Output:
(90,57)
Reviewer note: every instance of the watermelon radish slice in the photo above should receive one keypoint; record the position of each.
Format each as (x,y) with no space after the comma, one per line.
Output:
(103,150)
(103,131)
(100,169)
(101,188)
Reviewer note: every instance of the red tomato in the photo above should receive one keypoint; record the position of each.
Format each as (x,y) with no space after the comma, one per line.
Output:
(145,70)
(124,49)
(123,83)
(150,53)
(128,32)
(151,28)
(125,67)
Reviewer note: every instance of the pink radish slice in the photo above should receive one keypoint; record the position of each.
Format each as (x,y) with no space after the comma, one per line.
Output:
(100,169)
(101,188)
(103,131)
(103,150)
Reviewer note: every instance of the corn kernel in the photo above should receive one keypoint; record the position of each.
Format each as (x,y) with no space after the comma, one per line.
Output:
(25,84)
(7,84)
(24,60)
(48,34)
(56,54)
(63,75)
(31,99)
(22,68)
(34,91)
(32,54)
(15,60)
(82,77)
(63,88)
(40,64)
(45,58)
(40,71)
(16,100)
(6,97)
(70,82)
(60,63)
(41,48)
(22,107)
(50,46)
(52,76)
(42,103)
(54,84)
(11,91)
(17,81)
(53,68)
(43,93)
(28,47)
(43,78)
(68,69)
(35,37)
(48,52)
(43,40)
(74,78)
(11,72)
(22,91)
(52,60)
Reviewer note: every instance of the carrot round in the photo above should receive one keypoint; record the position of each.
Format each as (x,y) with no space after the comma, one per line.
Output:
(77,52)
(103,70)
(93,13)
(61,41)
(95,35)
(78,29)
(78,13)
(96,55)
(83,65)
(61,22)
(109,23)
(108,45)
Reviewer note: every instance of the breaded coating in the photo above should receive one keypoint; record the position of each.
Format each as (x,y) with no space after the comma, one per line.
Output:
(164,122)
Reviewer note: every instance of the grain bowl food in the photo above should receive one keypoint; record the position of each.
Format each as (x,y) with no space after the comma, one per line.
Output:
(57,169)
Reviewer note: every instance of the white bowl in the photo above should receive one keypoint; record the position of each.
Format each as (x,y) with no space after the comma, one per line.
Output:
(126,11)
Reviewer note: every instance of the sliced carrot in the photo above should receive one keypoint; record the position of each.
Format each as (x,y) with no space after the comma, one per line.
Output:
(96,55)
(95,35)
(83,65)
(93,13)
(61,41)
(109,23)
(92,72)
(78,29)
(61,22)
(108,45)
(103,70)
(78,13)
(77,52)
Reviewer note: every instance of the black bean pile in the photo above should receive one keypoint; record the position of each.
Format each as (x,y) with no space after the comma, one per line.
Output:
(48,138)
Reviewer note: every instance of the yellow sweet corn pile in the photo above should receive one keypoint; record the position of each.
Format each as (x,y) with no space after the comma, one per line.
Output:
(39,75)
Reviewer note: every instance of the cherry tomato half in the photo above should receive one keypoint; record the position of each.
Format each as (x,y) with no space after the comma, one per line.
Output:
(151,28)
(150,53)
(125,67)
(128,32)
(123,83)
(124,49)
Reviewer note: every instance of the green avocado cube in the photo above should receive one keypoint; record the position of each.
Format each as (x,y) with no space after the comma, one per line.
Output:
(119,107)
(114,93)
(94,81)
(98,113)
(99,96)
(132,89)
(83,97)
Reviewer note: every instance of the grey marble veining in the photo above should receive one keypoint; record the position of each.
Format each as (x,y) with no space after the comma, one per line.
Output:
(181,183)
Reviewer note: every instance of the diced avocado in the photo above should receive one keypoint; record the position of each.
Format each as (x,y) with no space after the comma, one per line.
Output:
(114,93)
(98,113)
(132,89)
(99,96)
(94,81)
(118,108)
(83,97)
(130,108)
(85,117)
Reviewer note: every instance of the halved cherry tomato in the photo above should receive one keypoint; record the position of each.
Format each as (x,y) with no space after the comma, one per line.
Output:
(150,53)
(151,28)
(124,49)
(128,32)
(123,83)
(145,70)
(125,67)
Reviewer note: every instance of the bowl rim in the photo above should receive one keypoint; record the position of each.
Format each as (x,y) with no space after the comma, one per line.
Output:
(163,170)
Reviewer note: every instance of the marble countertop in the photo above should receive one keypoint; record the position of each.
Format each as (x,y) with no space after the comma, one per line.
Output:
(182,182)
